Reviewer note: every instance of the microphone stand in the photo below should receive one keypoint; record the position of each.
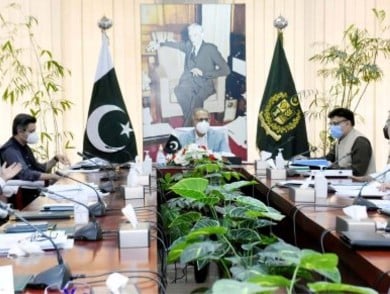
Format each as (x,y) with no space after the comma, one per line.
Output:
(360,200)
(91,231)
(96,209)
(58,275)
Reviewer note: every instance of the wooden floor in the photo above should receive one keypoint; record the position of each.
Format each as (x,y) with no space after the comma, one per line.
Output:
(183,281)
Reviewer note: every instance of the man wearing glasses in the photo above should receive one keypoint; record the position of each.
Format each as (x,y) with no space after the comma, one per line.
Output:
(351,149)
(203,135)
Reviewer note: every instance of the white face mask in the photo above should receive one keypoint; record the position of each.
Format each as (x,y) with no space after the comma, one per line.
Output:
(202,127)
(32,138)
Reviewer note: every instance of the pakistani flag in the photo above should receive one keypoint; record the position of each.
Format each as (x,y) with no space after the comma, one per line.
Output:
(109,133)
(281,123)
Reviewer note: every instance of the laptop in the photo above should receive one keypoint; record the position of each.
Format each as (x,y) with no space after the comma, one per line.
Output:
(366,239)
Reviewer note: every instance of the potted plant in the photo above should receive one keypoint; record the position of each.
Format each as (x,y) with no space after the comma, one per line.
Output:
(209,219)
(31,76)
(349,70)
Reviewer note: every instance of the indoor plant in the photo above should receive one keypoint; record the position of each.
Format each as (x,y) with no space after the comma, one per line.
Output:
(210,220)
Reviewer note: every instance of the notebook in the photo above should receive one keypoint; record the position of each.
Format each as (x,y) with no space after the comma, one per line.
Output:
(366,239)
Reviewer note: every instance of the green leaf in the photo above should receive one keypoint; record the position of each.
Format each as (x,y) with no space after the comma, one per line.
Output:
(198,250)
(244,235)
(327,287)
(225,286)
(186,219)
(191,188)
(237,185)
(270,281)
(206,231)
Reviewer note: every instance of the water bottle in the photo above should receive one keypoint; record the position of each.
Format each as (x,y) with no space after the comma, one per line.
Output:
(132,177)
(160,158)
(147,164)
(320,185)
(279,160)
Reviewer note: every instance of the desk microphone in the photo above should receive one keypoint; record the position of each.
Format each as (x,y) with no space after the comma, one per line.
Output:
(91,231)
(58,275)
(360,200)
(291,171)
(275,149)
(96,209)
(106,187)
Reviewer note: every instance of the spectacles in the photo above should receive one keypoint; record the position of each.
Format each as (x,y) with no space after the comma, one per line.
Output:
(336,123)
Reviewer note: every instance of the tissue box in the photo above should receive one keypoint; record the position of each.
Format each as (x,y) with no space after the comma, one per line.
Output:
(346,223)
(136,202)
(130,237)
(276,174)
(133,192)
(144,180)
(260,167)
(301,194)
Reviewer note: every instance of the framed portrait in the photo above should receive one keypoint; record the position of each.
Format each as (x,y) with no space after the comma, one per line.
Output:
(181,73)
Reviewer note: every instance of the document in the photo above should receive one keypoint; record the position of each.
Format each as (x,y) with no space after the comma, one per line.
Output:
(353,190)
(30,242)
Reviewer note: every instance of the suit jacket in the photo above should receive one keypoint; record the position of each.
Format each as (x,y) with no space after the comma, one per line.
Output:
(216,140)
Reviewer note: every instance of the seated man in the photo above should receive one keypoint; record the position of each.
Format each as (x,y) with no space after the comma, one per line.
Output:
(352,150)
(203,135)
(16,149)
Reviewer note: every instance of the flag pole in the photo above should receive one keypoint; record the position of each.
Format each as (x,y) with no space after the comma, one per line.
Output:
(280,23)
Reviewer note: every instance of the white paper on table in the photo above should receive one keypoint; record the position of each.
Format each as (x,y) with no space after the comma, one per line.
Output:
(6,279)
(59,237)
(353,191)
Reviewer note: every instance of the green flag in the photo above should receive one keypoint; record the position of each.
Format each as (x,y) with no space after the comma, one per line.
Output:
(109,133)
(281,123)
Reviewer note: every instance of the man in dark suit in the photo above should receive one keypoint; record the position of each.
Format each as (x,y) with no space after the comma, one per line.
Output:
(203,63)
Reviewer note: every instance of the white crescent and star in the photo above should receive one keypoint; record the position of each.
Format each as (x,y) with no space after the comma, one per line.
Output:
(174,146)
(93,128)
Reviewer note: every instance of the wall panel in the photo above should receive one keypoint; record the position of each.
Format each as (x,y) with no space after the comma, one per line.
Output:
(69,29)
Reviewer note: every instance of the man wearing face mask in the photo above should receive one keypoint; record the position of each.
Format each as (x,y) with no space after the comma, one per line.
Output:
(352,150)
(202,135)
(16,150)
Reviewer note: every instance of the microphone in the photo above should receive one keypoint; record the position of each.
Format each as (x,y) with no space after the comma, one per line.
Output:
(91,231)
(360,200)
(96,209)
(291,171)
(340,159)
(107,187)
(58,275)
(89,158)
(275,149)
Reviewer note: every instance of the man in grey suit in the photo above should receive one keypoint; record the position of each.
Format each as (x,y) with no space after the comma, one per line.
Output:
(203,63)
(202,135)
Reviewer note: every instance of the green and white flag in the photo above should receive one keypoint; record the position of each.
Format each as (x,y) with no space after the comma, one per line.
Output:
(281,123)
(109,133)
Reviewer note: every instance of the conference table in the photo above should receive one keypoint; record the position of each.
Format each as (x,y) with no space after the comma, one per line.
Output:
(305,225)
(98,259)
(312,225)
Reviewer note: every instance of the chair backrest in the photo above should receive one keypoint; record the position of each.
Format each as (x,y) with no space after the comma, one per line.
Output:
(172,61)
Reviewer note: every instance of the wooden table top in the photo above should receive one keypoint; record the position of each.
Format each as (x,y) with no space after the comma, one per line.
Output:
(101,257)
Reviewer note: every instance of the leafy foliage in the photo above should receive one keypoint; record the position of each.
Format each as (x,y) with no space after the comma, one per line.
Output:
(32,76)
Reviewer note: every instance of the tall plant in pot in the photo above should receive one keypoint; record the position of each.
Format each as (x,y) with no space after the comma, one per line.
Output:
(31,76)
(349,70)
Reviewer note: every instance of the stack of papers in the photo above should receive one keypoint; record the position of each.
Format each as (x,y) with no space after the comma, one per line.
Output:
(32,240)
(353,190)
